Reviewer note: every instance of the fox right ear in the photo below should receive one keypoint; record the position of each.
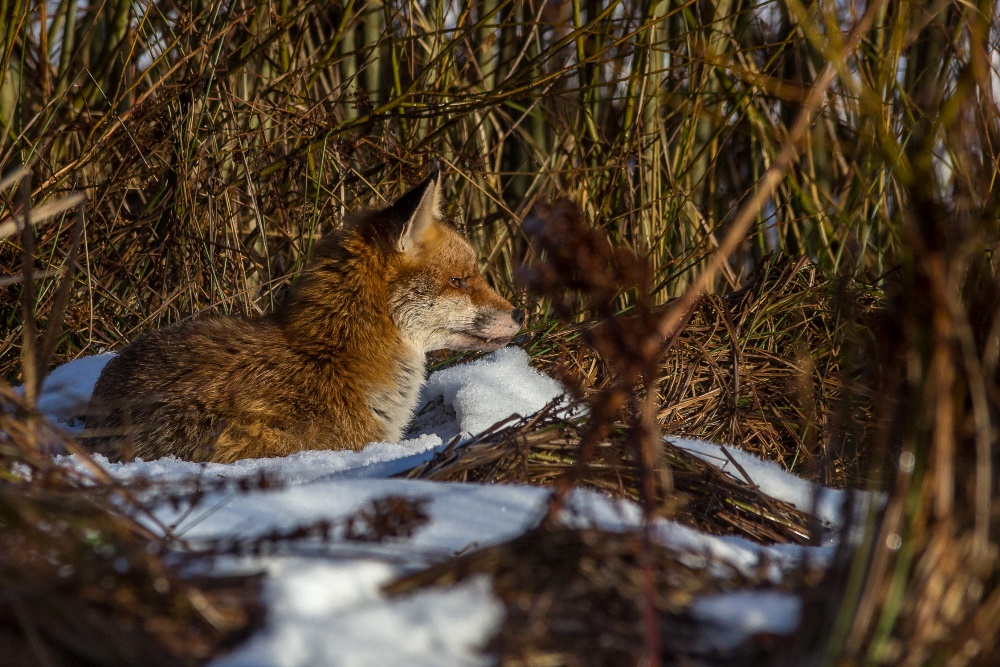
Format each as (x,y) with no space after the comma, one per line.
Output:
(419,208)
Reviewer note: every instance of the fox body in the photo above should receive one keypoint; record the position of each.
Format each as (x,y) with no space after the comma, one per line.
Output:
(338,365)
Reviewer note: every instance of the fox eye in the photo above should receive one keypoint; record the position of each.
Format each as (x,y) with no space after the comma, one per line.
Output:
(459,283)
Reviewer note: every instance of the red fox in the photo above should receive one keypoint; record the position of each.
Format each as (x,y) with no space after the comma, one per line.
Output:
(338,365)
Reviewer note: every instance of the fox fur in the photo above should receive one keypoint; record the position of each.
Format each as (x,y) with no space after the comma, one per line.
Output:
(338,365)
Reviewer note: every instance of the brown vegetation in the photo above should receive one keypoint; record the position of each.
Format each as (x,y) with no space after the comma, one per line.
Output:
(214,142)
(84,582)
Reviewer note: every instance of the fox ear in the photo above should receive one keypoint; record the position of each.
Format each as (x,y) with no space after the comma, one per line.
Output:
(419,209)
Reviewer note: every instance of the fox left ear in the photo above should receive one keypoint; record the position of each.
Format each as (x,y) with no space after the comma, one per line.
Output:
(419,208)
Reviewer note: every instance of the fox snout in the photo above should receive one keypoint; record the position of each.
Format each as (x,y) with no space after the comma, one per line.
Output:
(492,331)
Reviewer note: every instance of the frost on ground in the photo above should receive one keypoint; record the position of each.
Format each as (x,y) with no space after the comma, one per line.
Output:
(324,600)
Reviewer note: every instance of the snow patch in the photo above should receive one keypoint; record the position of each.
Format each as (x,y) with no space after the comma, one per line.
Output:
(493,388)
(67,389)
(462,517)
(730,619)
(386,458)
(325,605)
(328,613)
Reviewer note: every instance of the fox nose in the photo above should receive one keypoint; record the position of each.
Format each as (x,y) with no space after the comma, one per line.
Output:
(518,316)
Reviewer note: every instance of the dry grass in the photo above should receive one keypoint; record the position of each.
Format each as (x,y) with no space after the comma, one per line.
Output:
(778,400)
(215,140)
(761,368)
(84,582)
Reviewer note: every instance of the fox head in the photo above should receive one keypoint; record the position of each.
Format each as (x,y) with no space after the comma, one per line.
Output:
(398,270)
(437,297)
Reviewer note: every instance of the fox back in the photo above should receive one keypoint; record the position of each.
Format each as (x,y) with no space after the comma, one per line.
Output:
(338,365)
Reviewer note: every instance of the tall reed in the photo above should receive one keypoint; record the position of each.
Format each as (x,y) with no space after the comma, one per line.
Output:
(215,141)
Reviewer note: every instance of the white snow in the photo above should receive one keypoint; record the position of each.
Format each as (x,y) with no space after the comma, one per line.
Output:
(323,597)
(502,382)
(67,389)
(730,619)
(463,516)
(324,600)
(379,459)
(329,613)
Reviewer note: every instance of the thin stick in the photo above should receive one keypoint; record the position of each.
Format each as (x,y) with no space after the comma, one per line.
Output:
(29,331)
(54,327)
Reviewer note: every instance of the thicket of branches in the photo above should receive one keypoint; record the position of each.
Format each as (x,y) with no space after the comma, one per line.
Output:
(214,141)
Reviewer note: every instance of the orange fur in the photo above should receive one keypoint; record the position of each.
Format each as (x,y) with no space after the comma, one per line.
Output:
(337,366)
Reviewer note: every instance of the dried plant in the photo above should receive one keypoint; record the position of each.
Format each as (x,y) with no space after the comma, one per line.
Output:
(84,582)
(214,141)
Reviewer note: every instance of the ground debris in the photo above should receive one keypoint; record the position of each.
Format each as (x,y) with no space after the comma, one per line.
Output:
(83,583)
(575,597)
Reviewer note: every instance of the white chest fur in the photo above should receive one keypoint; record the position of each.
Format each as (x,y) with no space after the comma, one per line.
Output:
(393,406)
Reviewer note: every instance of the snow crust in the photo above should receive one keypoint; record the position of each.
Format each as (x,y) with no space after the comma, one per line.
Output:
(325,613)
(325,605)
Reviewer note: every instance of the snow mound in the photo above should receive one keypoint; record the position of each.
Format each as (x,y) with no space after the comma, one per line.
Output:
(493,388)
(328,613)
